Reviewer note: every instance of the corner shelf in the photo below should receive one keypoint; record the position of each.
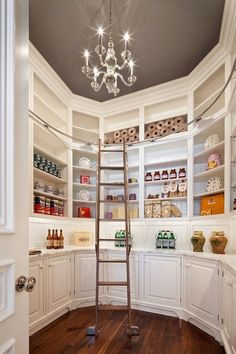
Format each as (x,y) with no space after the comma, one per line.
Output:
(203,155)
(47,177)
(84,201)
(84,169)
(199,195)
(162,164)
(209,173)
(49,195)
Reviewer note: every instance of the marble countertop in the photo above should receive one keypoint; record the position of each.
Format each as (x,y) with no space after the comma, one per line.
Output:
(227,260)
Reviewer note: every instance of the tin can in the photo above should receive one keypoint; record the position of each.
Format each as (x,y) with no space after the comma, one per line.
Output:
(47,206)
(85,179)
(60,208)
(37,158)
(39,204)
(54,207)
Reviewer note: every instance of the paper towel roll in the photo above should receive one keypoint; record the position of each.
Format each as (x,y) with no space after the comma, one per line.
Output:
(124,133)
(132,131)
(151,127)
(116,134)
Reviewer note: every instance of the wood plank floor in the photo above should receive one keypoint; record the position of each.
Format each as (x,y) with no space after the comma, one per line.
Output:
(158,335)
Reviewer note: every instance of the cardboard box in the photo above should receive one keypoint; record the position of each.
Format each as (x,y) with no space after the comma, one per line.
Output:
(212,204)
(82,239)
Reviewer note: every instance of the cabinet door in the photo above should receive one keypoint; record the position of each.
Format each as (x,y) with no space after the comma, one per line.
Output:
(37,296)
(85,276)
(59,281)
(233,316)
(117,272)
(202,289)
(162,280)
(227,299)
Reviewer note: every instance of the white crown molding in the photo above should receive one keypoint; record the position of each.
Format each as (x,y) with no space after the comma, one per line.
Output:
(228,27)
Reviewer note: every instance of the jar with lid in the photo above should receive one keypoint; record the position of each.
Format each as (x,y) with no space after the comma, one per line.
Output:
(148,177)
(173,173)
(165,174)
(182,173)
(157,176)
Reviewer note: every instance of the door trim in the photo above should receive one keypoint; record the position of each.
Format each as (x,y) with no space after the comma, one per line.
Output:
(7,116)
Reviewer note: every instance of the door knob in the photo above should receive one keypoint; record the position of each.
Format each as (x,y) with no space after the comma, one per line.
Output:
(23,283)
(30,284)
(20,283)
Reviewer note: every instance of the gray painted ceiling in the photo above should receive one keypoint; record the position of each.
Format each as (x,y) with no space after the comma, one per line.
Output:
(170,37)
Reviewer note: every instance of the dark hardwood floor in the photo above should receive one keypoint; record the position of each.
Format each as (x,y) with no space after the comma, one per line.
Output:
(158,335)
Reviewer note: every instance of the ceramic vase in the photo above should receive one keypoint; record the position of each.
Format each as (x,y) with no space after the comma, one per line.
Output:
(198,241)
(218,242)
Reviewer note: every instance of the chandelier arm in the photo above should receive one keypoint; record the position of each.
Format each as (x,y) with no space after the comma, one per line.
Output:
(125,63)
(100,85)
(124,81)
(101,60)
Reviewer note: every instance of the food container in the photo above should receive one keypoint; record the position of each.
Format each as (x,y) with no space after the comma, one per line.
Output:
(59,192)
(119,235)
(39,186)
(39,204)
(213,204)
(108,215)
(109,197)
(132,196)
(49,189)
(47,206)
(85,179)
(84,162)
(164,175)
(118,213)
(214,161)
(60,208)
(84,212)
(218,242)
(133,213)
(81,239)
(54,207)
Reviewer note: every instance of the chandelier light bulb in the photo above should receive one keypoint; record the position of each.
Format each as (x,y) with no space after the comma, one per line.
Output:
(126,37)
(100,31)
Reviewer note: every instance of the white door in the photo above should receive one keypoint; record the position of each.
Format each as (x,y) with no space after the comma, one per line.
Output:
(13,174)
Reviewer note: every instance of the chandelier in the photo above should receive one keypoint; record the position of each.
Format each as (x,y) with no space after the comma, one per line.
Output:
(109,71)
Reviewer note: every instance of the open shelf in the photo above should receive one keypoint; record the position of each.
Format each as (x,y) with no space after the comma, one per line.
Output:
(86,170)
(208,193)
(84,201)
(163,164)
(47,112)
(164,181)
(49,195)
(209,173)
(203,155)
(163,199)
(49,156)
(47,177)
(83,185)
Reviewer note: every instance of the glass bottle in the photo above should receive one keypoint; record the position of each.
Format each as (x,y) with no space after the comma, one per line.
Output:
(49,240)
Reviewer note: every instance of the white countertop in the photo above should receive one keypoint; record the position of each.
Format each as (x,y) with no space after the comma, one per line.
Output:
(227,260)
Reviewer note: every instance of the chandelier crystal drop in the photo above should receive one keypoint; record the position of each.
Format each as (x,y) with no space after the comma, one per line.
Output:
(109,70)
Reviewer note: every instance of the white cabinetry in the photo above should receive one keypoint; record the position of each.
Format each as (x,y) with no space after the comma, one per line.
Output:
(117,272)
(37,297)
(85,277)
(229,309)
(59,281)
(202,289)
(162,280)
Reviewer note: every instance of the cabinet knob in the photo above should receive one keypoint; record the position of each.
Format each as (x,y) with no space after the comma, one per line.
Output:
(30,284)
(41,267)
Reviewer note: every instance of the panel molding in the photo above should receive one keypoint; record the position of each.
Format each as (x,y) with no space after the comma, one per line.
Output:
(7,289)
(8,347)
(7,116)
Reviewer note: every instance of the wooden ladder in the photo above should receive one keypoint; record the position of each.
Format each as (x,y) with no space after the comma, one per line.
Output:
(131,330)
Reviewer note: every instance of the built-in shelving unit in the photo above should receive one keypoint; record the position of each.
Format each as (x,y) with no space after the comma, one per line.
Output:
(208,163)
(80,170)
(51,171)
(165,157)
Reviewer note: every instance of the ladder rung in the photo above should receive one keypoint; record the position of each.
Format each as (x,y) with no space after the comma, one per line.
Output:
(113,283)
(113,201)
(113,239)
(113,307)
(112,184)
(112,261)
(109,150)
(114,168)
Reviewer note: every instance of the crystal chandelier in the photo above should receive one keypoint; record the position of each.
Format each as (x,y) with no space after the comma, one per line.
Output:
(109,70)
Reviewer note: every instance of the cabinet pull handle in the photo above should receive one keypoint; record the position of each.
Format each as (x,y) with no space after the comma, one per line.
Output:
(41,267)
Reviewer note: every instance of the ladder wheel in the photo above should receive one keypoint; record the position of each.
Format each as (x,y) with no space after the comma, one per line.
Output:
(133,331)
(92,331)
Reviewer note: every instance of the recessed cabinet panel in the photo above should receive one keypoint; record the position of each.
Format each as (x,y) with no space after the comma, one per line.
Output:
(85,276)
(59,281)
(37,296)
(202,289)
(227,298)
(233,314)
(117,272)
(162,280)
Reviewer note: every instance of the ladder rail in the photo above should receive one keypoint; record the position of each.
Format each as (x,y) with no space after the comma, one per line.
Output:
(97,230)
(127,229)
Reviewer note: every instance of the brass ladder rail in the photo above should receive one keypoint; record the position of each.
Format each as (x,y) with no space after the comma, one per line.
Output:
(131,330)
